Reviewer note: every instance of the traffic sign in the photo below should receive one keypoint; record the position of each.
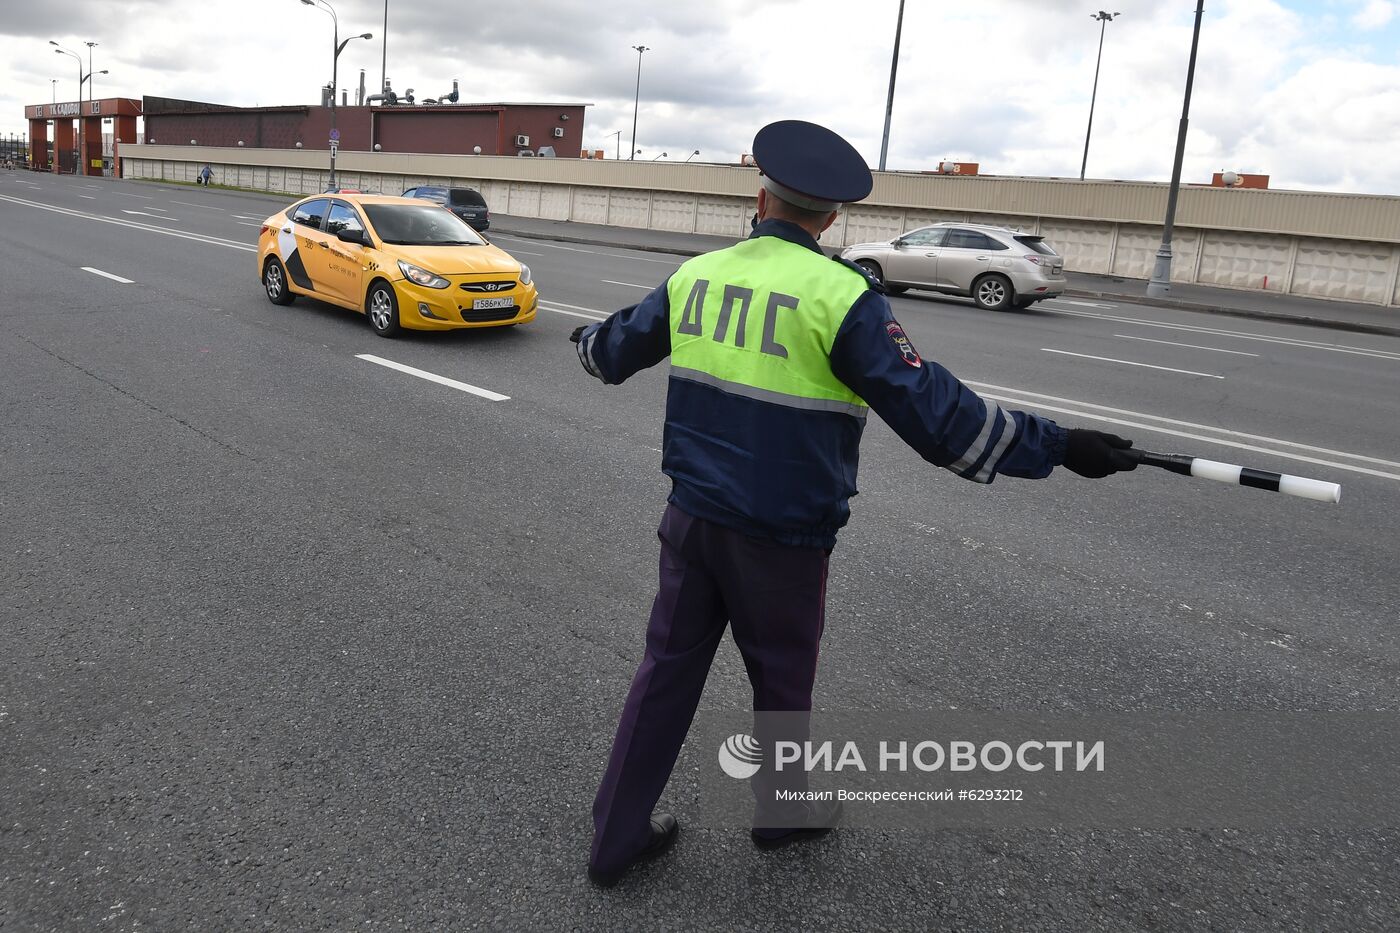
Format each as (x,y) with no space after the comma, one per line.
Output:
(335,136)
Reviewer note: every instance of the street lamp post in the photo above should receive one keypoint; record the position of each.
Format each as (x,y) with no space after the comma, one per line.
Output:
(1160,283)
(662,156)
(889,100)
(1104,19)
(92,85)
(62,51)
(337,47)
(618,150)
(692,155)
(636,101)
(54,82)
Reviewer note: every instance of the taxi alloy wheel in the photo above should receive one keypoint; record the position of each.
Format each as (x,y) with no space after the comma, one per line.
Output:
(992,292)
(275,282)
(383,309)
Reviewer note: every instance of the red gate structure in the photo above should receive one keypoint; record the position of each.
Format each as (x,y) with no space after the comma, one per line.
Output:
(122,111)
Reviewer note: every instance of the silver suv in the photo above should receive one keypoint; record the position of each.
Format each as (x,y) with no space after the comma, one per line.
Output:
(998,268)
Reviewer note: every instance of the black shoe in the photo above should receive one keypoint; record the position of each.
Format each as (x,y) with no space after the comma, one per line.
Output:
(664,830)
(821,818)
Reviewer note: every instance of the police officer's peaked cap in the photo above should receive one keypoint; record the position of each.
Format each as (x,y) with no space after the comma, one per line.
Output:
(810,166)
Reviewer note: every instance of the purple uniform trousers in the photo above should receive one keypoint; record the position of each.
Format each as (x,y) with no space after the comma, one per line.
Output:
(773,596)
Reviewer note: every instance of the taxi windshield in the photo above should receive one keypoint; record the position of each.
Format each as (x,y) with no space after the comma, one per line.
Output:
(421,225)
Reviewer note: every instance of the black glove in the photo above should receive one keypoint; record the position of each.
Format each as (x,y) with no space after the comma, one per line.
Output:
(578,332)
(1095,454)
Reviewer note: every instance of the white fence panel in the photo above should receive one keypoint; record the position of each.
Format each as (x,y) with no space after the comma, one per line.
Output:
(1342,269)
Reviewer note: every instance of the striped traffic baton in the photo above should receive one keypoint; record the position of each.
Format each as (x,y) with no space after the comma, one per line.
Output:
(1186,465)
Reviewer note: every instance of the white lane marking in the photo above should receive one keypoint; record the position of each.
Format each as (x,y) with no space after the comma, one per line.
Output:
(145,214)
(1082,304)
(133,224)
(189,204)
(144,197)
(628,284)
(244,223)
(590,317)
(1192,346)
(1105,359)
(571,249)
(523,252)
(92,186)
(1287,341)
(564,304)
(1195,437)
(152,207)
(108,275)
(1184,424)
(433,377)
(88,196)
(245,217)
(575,249)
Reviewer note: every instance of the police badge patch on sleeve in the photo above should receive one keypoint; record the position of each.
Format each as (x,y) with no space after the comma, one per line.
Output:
(902,344)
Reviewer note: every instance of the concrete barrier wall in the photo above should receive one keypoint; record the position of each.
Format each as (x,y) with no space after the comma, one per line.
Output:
(1302,243)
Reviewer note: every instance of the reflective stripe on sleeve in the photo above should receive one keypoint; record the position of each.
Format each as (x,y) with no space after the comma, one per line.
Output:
(1008,433)
(978,447)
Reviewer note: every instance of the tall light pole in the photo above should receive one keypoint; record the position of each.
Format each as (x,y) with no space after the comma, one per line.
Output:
(636,101)
(1104,19)
(889,100)
(618,151)
(384,51)
(62,51)
(337,47)
(54,82)
(1160,283)
(92,85)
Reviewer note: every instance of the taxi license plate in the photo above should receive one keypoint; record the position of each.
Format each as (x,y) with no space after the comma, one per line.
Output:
(486,304)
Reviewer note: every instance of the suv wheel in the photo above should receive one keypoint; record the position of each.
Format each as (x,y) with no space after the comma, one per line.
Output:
(993,293)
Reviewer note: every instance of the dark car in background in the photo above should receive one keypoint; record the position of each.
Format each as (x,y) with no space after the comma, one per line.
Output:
(466,203)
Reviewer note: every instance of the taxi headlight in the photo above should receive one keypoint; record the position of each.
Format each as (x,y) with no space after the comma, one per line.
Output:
(421,276)
(524,274)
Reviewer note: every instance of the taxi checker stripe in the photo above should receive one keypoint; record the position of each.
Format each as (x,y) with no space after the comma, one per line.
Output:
(768,395)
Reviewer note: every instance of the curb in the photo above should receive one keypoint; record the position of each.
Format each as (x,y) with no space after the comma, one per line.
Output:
(1251,314)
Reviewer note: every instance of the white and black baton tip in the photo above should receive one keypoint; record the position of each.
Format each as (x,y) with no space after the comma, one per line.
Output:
(1299,486)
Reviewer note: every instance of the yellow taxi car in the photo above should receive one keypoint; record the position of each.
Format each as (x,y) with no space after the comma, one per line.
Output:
(402,262)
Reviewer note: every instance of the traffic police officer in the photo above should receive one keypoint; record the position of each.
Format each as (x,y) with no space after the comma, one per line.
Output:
(777,353)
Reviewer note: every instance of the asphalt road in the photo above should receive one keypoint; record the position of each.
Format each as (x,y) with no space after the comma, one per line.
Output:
(292,640)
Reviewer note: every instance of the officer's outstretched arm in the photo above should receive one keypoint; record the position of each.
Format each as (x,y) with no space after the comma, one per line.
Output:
(629,341)
(946,422)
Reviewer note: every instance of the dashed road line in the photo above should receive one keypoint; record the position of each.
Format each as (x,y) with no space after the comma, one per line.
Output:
(433,377)
(1192,346)
(108,275)
(628,284)
(1106,359)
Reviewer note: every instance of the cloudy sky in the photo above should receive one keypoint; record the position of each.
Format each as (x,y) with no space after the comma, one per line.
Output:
(1307,91)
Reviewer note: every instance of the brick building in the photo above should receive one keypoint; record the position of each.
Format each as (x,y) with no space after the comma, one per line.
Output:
(498,128)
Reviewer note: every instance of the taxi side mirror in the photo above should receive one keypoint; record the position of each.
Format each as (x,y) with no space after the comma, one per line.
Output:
(358,237)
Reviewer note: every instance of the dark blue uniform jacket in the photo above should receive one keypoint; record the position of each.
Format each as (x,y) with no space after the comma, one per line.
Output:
(787,474)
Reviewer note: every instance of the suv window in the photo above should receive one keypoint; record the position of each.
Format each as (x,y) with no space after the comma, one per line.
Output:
(467,197)
(972,239)
(311,213)
(343,217)
(1036,244)
(930,237)
(436,195)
